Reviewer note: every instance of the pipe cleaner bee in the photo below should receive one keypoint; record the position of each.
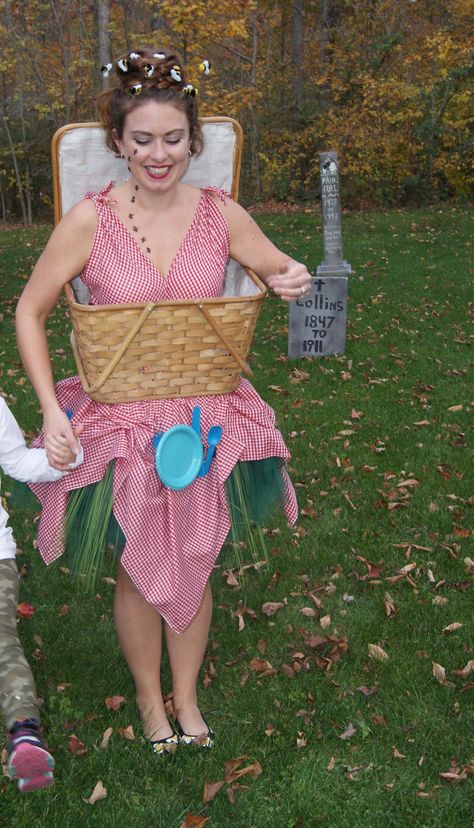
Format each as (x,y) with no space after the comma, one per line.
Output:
(123,65)
(134,56)
(106,69)
(136,89)
(148,70)
(205,67)
(189,89)
(175,73)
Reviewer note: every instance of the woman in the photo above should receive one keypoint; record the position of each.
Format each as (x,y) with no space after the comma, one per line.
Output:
(154,238)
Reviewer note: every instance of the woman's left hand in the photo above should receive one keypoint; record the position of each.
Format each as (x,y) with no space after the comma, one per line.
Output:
(291,282)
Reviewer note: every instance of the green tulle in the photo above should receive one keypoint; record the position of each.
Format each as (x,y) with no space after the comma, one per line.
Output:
(255,490)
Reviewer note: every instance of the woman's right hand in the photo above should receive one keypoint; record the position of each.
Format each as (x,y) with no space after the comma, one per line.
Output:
(58,437)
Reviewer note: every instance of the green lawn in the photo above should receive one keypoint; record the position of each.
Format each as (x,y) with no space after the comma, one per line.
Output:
(380,556)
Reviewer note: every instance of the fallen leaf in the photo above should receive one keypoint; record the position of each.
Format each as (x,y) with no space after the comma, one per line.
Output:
(390,608)
(406,569)
(106,737)
(349,731)
(193,821)
(231,579)
(24,610)
(373,571)
(438,672)
(271,607)
(301,740)
(114,702)
(255,769)
(396,753)
(466,670)
(75,746)
(331,764)
(440,600)
(97,794)
(309,612)
(377,652)
(325,622)
(368,691)
(232,790)
(452,627)
(258,665)
(127,732)
(211,789)
(453,776)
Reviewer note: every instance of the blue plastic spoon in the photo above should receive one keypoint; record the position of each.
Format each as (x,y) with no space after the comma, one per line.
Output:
(213,438)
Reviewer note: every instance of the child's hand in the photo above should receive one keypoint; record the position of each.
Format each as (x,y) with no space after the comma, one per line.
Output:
(60,440)
(64,455)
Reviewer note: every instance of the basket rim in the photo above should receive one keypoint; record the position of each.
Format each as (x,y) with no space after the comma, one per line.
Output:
(212,300)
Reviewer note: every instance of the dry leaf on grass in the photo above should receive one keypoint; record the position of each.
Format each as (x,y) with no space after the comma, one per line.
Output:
(271,607)
(452,627)
(258,665)
(106,737)
(233,772)
(465,670)
(114,702)
(390,608)
(193,821)
(25,610)
(211,789)
(368,691)
(97,794)
(396,753)
(127,732)
(232,790)
(377,652)
(349,731)
(438,671)
(325,622)
(75,746)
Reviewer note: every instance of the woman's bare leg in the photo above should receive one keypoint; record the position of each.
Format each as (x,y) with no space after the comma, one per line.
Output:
(139,630)
(186,652)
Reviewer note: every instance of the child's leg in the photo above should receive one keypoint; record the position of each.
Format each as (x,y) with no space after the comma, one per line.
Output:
(29,760)
(17,686)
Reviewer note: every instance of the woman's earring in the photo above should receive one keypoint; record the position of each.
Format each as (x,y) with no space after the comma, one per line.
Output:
(190,152)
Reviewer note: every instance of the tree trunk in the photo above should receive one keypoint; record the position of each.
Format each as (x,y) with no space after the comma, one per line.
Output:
(103,21)
(323,49)
(254,113)
(297,43)
(17,171)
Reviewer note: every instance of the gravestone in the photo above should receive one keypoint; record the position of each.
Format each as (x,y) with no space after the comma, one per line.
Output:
(317,325)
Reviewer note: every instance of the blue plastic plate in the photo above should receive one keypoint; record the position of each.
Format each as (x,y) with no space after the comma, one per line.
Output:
(179,456)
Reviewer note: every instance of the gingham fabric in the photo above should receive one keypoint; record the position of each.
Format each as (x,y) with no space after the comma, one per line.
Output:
(172,537)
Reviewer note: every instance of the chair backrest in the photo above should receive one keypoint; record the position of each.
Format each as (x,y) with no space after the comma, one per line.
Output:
(82,163)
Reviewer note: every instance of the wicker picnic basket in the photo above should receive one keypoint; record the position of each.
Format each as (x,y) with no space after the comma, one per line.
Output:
(162,350)
(158,350)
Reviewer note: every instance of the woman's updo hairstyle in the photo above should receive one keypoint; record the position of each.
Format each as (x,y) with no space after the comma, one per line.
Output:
(143,75)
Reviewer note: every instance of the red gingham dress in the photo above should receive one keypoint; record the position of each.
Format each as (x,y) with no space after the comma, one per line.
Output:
(172,537)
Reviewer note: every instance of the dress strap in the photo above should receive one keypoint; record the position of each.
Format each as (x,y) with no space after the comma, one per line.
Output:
(101,198)
(219,192)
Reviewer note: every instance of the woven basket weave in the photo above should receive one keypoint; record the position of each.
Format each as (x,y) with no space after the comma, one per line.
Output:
(153,351)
